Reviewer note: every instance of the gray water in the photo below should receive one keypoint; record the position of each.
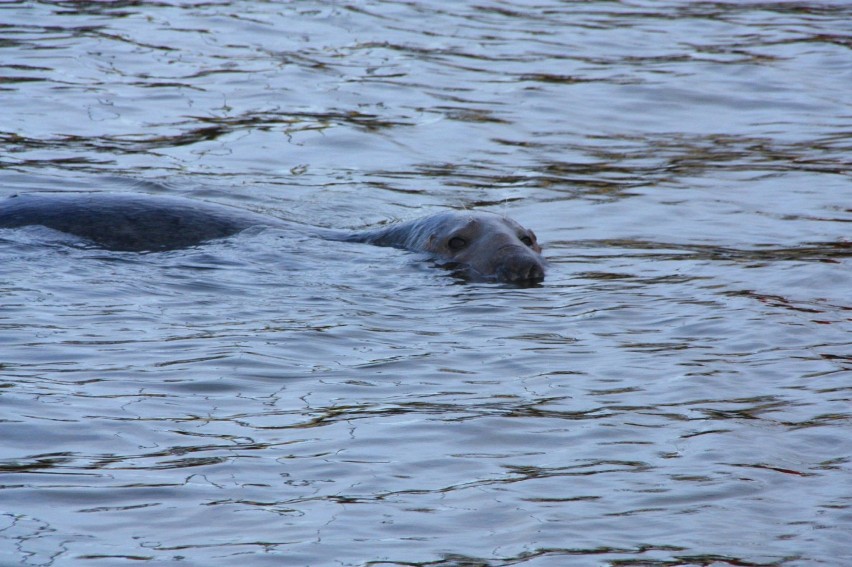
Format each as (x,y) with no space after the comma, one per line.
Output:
(676,392)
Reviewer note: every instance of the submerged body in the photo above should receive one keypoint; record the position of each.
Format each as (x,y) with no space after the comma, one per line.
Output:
(129,221)
(480,245)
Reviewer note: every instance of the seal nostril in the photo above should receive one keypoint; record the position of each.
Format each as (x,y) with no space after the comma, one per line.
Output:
(535,273)
(521,268)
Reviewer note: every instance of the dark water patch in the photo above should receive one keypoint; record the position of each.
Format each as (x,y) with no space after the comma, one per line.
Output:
(612,556)
(119,8)
(296,121)
(807,252)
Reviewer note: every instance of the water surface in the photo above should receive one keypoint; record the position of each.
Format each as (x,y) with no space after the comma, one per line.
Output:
(676,392)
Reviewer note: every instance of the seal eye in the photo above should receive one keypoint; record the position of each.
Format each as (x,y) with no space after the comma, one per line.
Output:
(456,243)
(527,241)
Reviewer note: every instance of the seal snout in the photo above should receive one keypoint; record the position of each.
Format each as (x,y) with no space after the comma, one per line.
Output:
(521,267)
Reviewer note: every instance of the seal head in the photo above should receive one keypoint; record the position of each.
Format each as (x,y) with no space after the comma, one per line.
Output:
(484,246)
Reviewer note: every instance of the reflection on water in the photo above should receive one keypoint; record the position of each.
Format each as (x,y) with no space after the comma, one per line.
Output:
(676,392)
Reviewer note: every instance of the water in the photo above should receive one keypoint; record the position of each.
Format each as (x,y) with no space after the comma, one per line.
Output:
(675,393)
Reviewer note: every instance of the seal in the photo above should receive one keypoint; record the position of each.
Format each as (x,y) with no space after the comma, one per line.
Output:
(478,245)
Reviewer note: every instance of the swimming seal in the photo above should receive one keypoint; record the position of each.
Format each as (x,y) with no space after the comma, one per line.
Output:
(482,246)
